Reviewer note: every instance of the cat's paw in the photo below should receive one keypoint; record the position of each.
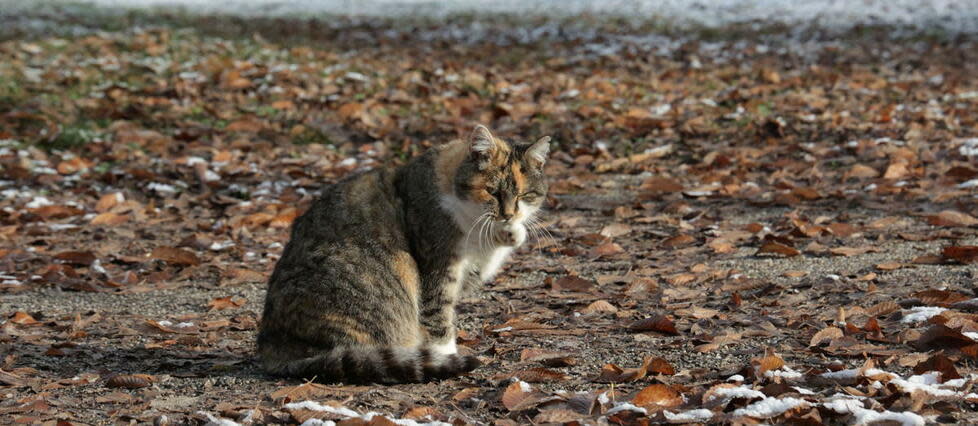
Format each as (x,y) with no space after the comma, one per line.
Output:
(445,348)
(511,236)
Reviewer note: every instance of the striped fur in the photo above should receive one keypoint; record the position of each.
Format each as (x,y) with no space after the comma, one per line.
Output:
(366,288)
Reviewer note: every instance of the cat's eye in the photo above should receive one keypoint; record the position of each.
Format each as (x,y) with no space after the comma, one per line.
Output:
(530,196)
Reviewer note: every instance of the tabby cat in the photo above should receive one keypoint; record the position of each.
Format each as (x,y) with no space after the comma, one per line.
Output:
(365,291)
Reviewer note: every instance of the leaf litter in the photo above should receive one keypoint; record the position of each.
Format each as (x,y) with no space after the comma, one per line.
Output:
(749,230)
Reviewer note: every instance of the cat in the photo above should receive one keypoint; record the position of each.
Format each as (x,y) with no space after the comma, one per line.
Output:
(366,288)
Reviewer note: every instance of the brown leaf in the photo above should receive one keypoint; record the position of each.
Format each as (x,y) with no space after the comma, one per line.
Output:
(661,366)
(615,230)
(940,363)
(175,256)
(520,396)
(130,381)
(607,249)
(547,358)
(773,247)
(73,165)
(540,375)
(110,219)
(951,218)
(222,303)
(769,363)
(940,336)
(600,306)
(963,254)
(882,308)
(681,240)
(657,323)
(943,298)
(573,283)
(890,266)
(81,258)
(56,212)
(850,251)
(862,171)
(22,318)
(658,396)
(825,335)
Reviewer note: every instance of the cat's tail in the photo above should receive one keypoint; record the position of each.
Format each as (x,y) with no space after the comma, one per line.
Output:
(366,364)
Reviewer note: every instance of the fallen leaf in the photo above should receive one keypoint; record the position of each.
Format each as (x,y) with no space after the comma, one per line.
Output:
(772,247)
(573,283)
(951,218)
(130,381)
(606,249)
(825,335)
(940,363)
(81,258)
(658,396)
(222,303)
(22,318)
(600,306)
(520,396)
(963,254)
(657,323)
(110,219)
(615,230)
(539,375)
(175,256)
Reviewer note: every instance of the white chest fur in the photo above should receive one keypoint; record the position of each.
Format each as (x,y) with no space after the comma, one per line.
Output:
(479,253)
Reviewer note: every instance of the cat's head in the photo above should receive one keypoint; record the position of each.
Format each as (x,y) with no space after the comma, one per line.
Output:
(505,180)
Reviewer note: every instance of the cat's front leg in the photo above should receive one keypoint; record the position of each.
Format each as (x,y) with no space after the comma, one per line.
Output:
(439,296)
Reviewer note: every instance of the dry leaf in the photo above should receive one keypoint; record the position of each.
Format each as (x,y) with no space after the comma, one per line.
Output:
(175,256)
(963,254)
(772,247)
(658,396)
(222,303)
(130,381)
(657,323)
(952,218)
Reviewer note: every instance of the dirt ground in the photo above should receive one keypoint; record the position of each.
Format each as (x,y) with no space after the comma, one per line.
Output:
(771,208)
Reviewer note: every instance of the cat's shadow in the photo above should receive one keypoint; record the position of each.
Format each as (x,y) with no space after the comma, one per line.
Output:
(104,359)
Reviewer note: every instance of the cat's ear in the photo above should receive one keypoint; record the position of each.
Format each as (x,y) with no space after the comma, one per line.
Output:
(481,142)
(537,153)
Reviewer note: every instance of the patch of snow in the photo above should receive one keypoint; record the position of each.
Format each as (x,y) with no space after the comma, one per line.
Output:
(769,407)
(38,202)
(195,160)
(802,390)
(784,372)
(921,313)
(315,406)
(346,412)
(216,246)
(690,416)
(211,176)
(61,226)
(626,406)
(524,386)
(731,393)
(968,184)
(161,188)
(97,267)
(969,147)
(735,378)
(218,421)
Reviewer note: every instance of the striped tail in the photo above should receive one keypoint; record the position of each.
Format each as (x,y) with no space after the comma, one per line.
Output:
(376,365)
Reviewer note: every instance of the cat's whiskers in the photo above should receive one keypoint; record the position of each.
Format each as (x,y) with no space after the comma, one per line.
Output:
(534,223)
(484,233)
(478,220)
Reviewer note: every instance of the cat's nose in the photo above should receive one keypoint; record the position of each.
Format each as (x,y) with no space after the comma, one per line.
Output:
(505,216)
